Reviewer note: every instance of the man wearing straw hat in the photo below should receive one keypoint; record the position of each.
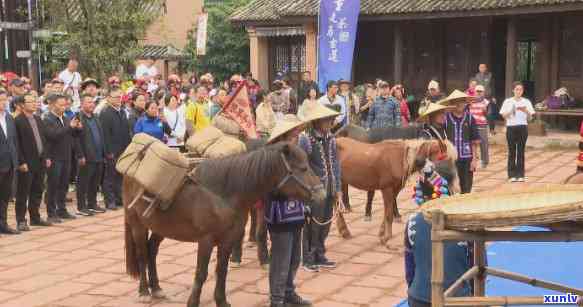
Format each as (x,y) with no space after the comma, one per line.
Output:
(462,131)
(320,145)
(433,117)
(285,218)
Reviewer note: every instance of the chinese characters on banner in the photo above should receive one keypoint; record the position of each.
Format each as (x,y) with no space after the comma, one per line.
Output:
(201,34)
(238,108)
(336,38)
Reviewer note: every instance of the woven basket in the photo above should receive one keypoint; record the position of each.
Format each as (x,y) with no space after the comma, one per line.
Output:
(539,205)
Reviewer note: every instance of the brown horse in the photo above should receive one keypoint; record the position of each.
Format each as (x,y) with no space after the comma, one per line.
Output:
(386,166)
(211,209)
(374,136)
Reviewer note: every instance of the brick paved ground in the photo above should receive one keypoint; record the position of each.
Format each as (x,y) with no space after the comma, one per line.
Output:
(81,263)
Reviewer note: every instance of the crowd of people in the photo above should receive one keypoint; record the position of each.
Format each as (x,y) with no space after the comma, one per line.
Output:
(76,130)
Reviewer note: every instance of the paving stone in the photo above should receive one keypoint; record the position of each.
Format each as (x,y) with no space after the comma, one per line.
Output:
(34,283)
(84,300)
(47,295)
(357,295)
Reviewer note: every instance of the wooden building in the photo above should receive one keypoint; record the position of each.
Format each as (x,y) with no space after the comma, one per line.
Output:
(538,42)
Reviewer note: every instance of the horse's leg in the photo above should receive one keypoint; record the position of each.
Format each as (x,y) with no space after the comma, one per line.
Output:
(261,238)
(205,248)
(396,214)
(253,227)
(346,197)
(153,247)
(140,235)
(388,199)
(223,252)
(368,209)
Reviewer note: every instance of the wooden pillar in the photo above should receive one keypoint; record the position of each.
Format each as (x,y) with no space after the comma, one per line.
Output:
(510,55)
(543,59)
(311,49)
(258,57)
(398,53)
(480,262)
(437,261)
(555,37)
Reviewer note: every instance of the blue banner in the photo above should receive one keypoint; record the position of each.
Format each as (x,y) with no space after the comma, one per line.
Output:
(336,38)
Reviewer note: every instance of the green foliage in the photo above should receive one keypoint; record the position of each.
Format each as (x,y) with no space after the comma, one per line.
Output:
(227,50)
(102,34)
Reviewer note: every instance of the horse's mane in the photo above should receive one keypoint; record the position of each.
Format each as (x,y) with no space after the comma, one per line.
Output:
(240,174)
(393,133)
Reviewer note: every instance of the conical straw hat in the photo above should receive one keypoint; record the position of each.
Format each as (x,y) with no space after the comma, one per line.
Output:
(431,108)
(453,98)
(315,111)
(289,123)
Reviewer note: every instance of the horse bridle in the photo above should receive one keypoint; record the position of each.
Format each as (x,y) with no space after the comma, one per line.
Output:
(291,176)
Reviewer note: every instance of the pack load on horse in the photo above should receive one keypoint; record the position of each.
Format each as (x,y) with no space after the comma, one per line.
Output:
(212,143)
(159,169)
(387,166)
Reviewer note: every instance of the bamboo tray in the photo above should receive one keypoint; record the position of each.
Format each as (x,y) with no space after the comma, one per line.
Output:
(536,206)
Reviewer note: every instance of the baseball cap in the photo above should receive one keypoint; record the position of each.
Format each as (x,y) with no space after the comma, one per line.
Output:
(17,82)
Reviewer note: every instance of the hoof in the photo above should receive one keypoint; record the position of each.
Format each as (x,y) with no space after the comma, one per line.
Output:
(223,304)
(384,240)
(398,219)
(346,234)
(158,294)
(367,218)
(144,299)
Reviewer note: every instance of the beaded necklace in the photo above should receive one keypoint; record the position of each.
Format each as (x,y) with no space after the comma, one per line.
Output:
(439,184)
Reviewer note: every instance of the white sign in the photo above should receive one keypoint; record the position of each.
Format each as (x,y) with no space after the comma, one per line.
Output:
(201,34)
(15,25)
(23,54)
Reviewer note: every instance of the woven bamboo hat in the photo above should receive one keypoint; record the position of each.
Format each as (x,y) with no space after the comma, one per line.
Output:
(289,123)
(317,111)
(431,108)
(454,98)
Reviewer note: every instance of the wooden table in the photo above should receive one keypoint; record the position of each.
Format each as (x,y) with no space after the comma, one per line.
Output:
(440,234)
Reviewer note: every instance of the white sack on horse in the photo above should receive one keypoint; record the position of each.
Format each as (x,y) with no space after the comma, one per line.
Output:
(159,169)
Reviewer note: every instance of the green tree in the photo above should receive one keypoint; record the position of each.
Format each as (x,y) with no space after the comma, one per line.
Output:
(227,49)
(104,35)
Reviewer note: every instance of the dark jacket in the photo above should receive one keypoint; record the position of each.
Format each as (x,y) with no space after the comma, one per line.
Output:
(116,130)
(86,147)
(323,158)
(28,152)
(60,138)
(8,146)
(133,118)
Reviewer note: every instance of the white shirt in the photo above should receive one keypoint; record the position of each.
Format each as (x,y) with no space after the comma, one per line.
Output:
(177,121)
(513,116)
(72,82)
(324,100)
(3,123)
(144,71)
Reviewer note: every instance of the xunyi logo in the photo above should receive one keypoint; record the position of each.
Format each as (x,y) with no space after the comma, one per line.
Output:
(561,299)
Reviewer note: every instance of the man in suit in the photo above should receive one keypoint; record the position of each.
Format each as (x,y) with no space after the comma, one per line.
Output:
(8,161)
(90,154)
(116,133)
(32,162)
(60,134)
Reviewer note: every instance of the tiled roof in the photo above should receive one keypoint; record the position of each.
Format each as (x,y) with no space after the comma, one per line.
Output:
(266,10)
(154,51)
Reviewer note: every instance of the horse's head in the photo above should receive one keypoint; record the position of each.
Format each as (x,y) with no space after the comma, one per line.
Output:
(441,154)
(297,179)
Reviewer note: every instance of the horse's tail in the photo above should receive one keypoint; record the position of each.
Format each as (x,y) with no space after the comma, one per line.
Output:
(132,268)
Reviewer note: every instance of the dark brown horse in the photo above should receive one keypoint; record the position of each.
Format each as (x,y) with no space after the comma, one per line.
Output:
(374,136)
(386,166)
(211,209)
